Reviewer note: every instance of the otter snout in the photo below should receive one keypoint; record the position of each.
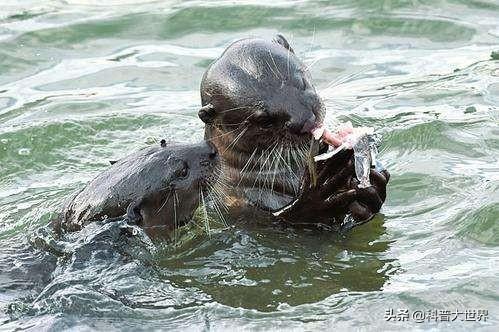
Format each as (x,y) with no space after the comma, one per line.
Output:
(300,126)
(209,158)
(208,164)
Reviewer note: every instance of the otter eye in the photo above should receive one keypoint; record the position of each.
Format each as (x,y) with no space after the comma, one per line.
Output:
(267,123)
(183,171)
(264,121)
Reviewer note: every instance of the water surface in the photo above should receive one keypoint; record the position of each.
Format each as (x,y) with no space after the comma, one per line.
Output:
(83,82)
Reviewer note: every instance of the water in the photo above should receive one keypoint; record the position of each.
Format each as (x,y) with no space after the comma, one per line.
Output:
(82,83)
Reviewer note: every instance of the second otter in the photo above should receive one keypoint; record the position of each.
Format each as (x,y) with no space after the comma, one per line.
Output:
(157,187)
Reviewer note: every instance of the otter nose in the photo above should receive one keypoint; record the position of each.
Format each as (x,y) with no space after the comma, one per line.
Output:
(301,127)
(308,125)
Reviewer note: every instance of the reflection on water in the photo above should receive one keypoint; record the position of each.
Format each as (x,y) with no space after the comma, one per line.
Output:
(83,82)
(115,267)
(264,267)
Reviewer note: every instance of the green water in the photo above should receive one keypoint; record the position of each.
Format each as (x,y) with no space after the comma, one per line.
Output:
(83,82)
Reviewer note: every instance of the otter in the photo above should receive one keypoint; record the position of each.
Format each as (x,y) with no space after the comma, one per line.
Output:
(259,107)
(157,187)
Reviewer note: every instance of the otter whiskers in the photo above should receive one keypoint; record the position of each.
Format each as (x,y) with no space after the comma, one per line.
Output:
(275,164)
(166,201)
(218,191)
(235,140)
(205,214)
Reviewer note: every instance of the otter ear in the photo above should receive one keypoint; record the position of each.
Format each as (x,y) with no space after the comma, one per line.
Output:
(207,113)
(133,212)
(279,39)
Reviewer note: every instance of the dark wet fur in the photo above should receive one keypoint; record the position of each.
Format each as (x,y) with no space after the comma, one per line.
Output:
(160,185)
(259,105)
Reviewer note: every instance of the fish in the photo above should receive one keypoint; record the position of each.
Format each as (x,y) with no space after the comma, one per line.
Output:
(361,139)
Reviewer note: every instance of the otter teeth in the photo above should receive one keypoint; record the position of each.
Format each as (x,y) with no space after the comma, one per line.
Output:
(318,131)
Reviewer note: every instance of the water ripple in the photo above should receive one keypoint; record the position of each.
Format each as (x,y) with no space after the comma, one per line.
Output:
(85,82)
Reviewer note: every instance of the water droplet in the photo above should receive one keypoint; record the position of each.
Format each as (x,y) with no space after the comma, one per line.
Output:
(470,109)
(4,140)
(151,140)
(24,152)
(276,291)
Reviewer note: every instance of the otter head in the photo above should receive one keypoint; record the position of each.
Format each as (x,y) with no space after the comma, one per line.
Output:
(184,172)
(256,94)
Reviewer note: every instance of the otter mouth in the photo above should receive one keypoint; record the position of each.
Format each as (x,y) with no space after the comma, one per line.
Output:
(263,159)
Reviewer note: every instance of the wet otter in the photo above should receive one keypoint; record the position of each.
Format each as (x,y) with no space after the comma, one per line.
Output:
(259,107)
(157,187)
